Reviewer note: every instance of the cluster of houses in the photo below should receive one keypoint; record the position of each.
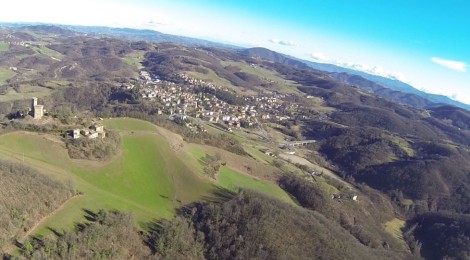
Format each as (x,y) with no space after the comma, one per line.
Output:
(182,100)
(93,132)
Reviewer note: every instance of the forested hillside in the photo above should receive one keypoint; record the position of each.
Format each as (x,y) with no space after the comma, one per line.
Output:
(25,197)
(248,226)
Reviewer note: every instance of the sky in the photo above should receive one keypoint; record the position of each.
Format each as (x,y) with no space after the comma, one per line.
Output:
(423,43)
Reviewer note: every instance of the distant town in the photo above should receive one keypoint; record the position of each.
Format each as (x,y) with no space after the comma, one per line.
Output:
(196,98)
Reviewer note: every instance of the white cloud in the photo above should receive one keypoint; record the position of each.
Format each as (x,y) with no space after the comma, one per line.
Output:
(158,22)
(319,56)
(283,42)
(451,64)
(374,70)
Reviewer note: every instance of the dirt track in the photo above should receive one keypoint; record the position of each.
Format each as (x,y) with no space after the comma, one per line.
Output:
(9,250)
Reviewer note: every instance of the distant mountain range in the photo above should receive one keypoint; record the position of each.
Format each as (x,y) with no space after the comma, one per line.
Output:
(387,88)
(392,84)
(127,33)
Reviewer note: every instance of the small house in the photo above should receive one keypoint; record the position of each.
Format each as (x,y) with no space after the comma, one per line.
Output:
(97,128)
(93,135)
(76,133)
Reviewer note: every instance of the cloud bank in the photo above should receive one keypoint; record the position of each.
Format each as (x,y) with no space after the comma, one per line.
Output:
(451,64)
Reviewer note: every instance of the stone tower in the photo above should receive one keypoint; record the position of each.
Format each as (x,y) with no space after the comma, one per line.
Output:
(34,102)
(38,110)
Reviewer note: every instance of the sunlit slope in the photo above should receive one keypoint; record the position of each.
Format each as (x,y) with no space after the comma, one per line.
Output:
(147,177)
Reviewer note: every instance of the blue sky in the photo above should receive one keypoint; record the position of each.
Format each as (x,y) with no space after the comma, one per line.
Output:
(424,43)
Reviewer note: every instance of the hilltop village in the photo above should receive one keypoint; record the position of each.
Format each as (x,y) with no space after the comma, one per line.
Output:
(199,99)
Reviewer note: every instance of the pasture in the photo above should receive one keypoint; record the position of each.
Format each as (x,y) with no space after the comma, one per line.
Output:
(147,177)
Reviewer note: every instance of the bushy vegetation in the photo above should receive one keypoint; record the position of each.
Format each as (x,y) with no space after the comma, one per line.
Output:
(95,149)
(248,226)
(177,239)
(25,197)
(212,165)
(307,194)
(252,226)
(109,235)
(363,219)
(440,236)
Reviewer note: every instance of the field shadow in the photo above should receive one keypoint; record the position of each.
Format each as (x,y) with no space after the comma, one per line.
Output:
(55,232)
(219,194)
(90,215)
(155,226)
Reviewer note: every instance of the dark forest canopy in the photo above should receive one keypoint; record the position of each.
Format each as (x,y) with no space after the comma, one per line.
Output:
(248,226)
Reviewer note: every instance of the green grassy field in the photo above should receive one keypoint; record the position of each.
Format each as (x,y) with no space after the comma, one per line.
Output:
(140,175)
(99,183)
(257,154)
(129,124)
(49,52)
(394,227)
(233,180)
(132,61)
(147,177)
(134,58)
(12,95)
(285,86)
(211,76)
(403,144)
(4,46)
(6,74)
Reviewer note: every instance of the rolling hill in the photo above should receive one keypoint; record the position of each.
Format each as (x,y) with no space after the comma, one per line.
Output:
(398,162)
